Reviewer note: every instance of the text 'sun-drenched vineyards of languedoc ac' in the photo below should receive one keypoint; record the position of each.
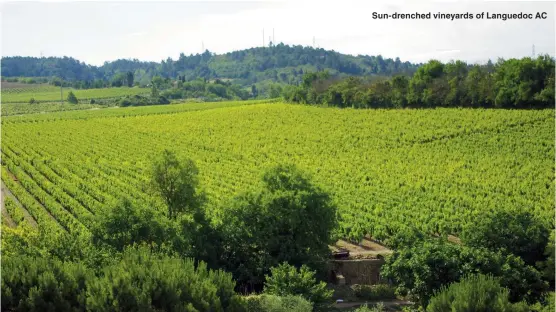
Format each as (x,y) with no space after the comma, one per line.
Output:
(433,169)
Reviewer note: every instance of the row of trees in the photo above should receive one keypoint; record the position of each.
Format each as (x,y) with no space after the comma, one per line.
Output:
(202,88)
(513,83)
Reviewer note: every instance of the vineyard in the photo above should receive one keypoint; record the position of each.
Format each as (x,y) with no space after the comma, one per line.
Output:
(387,170)
(11,109)
(48,93)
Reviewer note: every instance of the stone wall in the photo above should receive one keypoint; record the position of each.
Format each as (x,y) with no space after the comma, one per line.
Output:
(359,271)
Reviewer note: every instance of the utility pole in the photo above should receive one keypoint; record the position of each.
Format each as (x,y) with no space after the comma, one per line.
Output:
(533,50)
(61,92)
(273,42)
(263,37)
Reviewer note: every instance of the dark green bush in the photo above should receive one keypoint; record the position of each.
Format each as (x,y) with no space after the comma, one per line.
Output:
(126,224)
(476,293)
(518,232)
(138,100)
(72,98)
(146,281)
(272,303)
(43,284)
(287,280)
(420,270)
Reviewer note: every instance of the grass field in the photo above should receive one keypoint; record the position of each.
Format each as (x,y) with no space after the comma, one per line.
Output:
(434,169)
(49,93)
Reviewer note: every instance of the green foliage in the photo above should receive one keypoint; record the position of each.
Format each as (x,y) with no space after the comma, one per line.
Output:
(524,83)
(277,64)
(420,270)
(176,182)
(201,89)
(126,224)
(406,237)
(43,284)
(146,281)
(138,100)
(26,240)
(272,303)
(118,80)
(154,90)
(374,292)
(287,280)
(32,101)
(365,308)
(475,293)
(129,79)
(288,220)
(548,266)
(546,304)
(72,98)
(518,232)
(140,281)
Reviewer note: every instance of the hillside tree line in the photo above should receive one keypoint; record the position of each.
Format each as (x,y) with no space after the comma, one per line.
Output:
(514,83)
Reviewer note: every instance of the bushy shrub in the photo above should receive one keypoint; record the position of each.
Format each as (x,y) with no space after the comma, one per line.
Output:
(374,292)
(420,270)
(546,304)
(287,280)
(518,232)
(72,98)
(146,281)
(138,100)
(476,293)
(272,303)
(548,265)
(43,284)
(126,224)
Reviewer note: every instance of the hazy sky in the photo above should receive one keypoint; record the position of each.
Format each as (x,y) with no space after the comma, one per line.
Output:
(95,32)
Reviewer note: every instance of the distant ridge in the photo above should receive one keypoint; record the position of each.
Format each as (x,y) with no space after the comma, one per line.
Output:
(276,63)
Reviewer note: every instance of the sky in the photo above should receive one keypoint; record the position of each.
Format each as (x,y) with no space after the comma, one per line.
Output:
(95,32)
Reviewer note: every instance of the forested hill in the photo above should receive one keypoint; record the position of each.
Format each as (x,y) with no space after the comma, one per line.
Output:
(276,63)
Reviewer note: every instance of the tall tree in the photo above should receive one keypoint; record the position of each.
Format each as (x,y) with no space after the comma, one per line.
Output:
(129,79)
(176,182)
